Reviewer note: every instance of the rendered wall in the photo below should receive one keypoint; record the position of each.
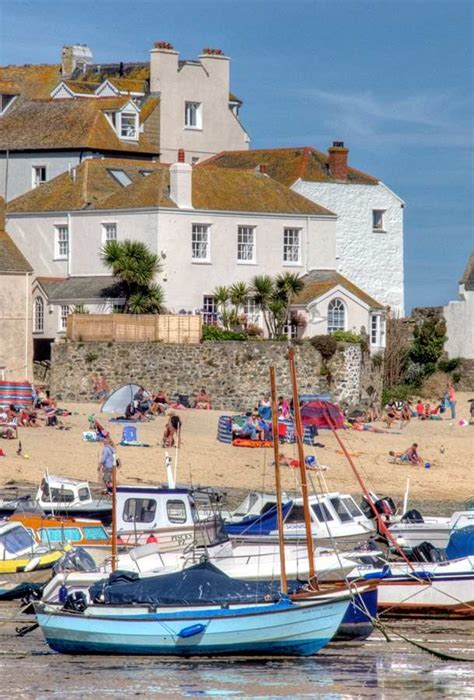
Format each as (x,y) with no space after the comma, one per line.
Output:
(371,259)
(18,170)
(459,317)
(16,350)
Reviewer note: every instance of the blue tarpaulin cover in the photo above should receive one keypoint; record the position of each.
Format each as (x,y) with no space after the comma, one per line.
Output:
(200,584)
(461,543)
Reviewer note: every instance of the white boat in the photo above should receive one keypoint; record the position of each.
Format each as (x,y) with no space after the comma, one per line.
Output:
(441,589)
(410,533)
(336,519)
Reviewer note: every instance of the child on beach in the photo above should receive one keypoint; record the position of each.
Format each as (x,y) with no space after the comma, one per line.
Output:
(410,455)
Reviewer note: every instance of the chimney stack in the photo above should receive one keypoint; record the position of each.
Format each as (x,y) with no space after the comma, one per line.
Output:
(262,168)
(181,182)
(338,167)
(72,57)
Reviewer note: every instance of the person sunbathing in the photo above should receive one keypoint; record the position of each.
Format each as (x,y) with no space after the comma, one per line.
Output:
(160,403)
(202,400)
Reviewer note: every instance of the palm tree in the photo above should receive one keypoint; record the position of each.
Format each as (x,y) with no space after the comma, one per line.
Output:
(222,296)
(239,293)
(263,289)
(287,287)
(136,266)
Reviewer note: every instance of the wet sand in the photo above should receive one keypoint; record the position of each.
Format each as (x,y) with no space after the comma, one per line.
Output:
(371,669)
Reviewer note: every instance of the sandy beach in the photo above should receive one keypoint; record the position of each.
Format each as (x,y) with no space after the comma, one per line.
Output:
(446,445)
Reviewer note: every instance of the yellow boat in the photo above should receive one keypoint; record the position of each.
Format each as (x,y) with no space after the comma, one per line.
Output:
(22,561)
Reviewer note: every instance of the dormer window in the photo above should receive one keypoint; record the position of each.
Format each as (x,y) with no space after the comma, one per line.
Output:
(121,176)
(129,126)
(5,102)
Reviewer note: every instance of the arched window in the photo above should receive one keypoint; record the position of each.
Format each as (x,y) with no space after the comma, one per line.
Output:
(39,315)
(336,316)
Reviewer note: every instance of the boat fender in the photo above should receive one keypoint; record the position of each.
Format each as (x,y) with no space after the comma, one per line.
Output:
(32,564)
(63,593)
(191,631)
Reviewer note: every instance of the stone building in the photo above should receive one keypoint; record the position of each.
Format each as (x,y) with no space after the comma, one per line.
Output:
(16,355)
(369,229)
(52,117)
(459,317)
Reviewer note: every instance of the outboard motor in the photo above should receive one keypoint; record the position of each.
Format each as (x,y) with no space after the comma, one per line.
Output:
(75,560)
(427,552)
(76,601)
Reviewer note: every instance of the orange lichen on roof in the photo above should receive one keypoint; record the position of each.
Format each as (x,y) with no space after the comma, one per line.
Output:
(148,107)
(32,81)
(87,186)
(127,84)
(65,124)
(287,165)
(321,282)
(81,86)
(9,87)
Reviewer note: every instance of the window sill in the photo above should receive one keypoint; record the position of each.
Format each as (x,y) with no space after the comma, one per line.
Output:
(379,230)
(192,128)
(56,259)
(247,262)
(201,262)
(292,264)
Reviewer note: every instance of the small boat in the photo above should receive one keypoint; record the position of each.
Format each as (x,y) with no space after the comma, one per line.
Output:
(335,519)
(54,531)
(59,495)
(196,612)
(413,528)
(23,563)
(429,589)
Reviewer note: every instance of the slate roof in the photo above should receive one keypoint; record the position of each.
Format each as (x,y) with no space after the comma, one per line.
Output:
(213,189)
(64,124)
(9,87)
(468,275)
(81,86)
(318,282)
(11,259)
(85,289)
(128,84)
(288,165)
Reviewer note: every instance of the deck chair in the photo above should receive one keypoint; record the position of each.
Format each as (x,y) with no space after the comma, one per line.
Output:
(129,433)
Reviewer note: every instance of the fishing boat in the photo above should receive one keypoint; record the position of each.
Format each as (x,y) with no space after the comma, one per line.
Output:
(23,563)
(429,589)
(59,495)
(413,528)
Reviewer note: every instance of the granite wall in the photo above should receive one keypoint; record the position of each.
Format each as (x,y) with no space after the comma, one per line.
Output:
(235,374)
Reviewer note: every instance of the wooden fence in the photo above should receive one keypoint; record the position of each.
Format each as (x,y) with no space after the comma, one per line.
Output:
(131,328)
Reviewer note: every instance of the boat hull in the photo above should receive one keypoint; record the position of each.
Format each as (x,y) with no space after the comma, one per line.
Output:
(17,585)
(271,630)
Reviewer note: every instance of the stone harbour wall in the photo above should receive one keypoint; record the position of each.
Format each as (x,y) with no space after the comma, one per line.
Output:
(235,374)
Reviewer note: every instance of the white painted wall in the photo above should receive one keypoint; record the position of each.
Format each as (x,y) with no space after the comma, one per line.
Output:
(371,259)
(205,81)
(459,317)
(16,352)
(169,231)
(16,171)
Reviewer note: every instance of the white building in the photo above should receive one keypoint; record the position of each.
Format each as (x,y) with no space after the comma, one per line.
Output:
(53,117)
(459,317)
(210,226)
(369,227)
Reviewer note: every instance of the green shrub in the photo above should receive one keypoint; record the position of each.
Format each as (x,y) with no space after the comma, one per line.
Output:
(456,377)
(445,365)
(377,359)
(217,333)
(347,337)
(400,392)
(325,344)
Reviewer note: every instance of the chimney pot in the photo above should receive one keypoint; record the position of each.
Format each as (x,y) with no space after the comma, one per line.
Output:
(163,45)
(338,167)
(181,156)
(263,168)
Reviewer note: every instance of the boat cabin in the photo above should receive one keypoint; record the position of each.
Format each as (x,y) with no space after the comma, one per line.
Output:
(56,531)
(15,541)
(334,508)
(255,503)
(59,490)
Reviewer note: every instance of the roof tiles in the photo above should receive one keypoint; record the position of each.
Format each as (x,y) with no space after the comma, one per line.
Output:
(318,282)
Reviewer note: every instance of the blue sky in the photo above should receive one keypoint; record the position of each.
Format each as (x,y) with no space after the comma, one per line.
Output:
(391,78)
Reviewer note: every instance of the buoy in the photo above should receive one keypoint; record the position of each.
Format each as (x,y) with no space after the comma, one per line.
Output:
(151,539)
(2,453)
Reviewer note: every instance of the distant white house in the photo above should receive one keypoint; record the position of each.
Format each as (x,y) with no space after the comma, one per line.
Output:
(210,226)
(369,229)
(459,317)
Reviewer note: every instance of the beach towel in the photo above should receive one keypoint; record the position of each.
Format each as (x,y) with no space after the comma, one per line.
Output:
(133,443)
(246,442)
(91,436)
(122,419)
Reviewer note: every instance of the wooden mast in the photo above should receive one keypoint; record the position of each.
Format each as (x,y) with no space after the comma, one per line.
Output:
(299,442)
(114,517)
(276,450)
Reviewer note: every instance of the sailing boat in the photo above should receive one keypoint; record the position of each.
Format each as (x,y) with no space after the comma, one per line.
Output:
(197,611)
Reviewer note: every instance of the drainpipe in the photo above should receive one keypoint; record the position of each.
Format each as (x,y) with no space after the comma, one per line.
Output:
(27,327)
(6,175)
(69,232)
(307,244)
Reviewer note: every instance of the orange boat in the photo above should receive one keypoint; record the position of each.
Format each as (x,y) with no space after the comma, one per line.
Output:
(56,531)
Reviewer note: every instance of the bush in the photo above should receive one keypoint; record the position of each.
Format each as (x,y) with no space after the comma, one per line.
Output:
(217,333)
(445,365)
(254,331)
(325,344)
(435,385)
(347,337)
(400,392)
(414,373)
(377,360)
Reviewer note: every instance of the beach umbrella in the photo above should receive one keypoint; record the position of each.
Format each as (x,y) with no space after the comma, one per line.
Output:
(321,414)
(120,398)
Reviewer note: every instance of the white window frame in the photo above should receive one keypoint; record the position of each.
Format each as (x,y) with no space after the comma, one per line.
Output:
(287,232)
(38,316)
(105,225)
(377,330)
(378,227)
(332,328)
(64,311)
(128,137)
(251,311)
(58,229)
(192,113)
(35,182)
(242,232)
(204,228)
(210,312)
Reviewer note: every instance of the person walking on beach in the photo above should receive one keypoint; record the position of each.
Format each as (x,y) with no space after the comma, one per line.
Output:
(108,460)
(452,401)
